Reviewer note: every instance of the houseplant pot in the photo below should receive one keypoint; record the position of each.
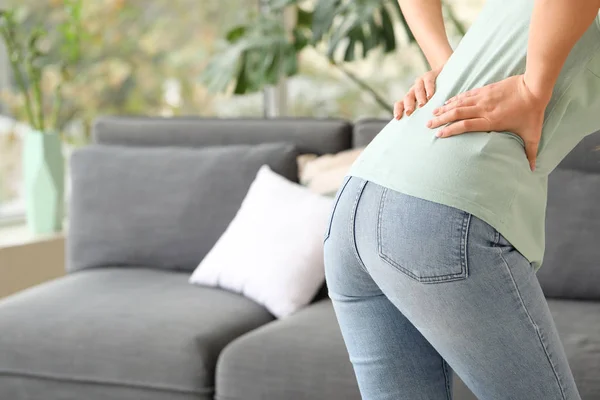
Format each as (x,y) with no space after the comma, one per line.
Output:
(43,170)
(40,104)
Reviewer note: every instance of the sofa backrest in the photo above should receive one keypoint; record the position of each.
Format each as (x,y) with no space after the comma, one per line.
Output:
(317,136)
(159,192)
(365,130)
(571,266)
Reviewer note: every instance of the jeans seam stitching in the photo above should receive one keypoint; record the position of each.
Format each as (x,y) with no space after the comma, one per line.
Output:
(353,227)
(379,212)
(463,248)
(334,207)
(535,326)
(447,379)
(496,238)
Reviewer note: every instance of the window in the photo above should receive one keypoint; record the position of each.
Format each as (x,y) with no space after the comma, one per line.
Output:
(11,203)
(139,57)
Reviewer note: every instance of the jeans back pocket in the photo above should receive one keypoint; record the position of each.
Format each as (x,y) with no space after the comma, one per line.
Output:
(427,241)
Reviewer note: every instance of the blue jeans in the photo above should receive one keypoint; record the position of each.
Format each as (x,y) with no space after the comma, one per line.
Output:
(422,290)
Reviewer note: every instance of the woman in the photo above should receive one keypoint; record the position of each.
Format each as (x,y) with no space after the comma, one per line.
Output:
(436,234)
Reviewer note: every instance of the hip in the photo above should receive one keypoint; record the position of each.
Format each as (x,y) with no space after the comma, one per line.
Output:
(426,241)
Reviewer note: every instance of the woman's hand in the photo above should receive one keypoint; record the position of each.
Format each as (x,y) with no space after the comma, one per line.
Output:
(418,94)
(508,105)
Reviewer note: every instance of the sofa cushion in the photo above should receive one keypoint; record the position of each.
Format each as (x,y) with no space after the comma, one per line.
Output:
(160,207)
(571,262)
(310,135)
(578,324)
(300,357)
(365,130)
(277,361)
(132,332)
(570,267)
(325,174)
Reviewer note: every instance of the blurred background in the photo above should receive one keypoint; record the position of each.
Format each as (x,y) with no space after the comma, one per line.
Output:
(107,289)
(173,58)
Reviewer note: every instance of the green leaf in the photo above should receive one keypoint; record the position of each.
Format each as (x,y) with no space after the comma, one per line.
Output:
(349,54)
(372,37)
(359,36)
(234,34)
(273,72)
(278,5)
(261,53)
(290,63)
(340,34)
(301,40)
(304,18)
(389,39)
(396,5)
(323,16)
(356,38)
(242,80)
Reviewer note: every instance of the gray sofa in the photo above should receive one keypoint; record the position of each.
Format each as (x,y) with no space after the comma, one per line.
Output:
(119,328)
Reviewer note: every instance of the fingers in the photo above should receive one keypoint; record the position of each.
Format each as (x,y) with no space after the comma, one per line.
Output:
(531,149)
(409,102)
(429,82)
(462,96)
(454,115)
(467,102)
(420,94)
(466,125)
(398,109)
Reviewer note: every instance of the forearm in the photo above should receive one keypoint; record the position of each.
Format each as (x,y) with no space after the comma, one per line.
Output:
(556,25)
(424,17)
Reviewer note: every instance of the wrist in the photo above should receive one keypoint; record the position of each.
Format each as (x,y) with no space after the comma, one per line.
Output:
(438,61)
(540,89)
(437,66)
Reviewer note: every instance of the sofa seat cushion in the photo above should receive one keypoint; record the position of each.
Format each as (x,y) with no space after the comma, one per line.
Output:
(299,357)
(303,356)
(578,324)
(138,333)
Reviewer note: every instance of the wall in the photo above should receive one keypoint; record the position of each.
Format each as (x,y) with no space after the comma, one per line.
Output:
(26,265)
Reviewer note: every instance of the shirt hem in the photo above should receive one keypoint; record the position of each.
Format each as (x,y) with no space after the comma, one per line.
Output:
(464,204)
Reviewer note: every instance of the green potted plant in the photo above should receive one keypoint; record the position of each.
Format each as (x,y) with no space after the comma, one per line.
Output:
(43,160)
(265,49)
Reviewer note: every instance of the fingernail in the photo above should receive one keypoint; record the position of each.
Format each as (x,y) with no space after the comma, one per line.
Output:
(408,112)
(429,124)
(436,111)
(421,104)
(439,133)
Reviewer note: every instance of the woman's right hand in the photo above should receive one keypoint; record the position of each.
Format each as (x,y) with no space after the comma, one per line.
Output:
(419,94)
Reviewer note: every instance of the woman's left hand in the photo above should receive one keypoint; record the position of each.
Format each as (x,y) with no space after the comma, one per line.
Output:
(507,105)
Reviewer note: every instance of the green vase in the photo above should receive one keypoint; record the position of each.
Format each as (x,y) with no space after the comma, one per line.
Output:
(44,176)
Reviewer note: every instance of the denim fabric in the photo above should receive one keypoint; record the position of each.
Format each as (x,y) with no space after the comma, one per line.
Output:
(422,290)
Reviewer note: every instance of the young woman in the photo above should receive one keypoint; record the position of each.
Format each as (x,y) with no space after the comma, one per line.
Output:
(436,234)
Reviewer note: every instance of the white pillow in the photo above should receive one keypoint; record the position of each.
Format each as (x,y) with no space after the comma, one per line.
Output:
(272,251)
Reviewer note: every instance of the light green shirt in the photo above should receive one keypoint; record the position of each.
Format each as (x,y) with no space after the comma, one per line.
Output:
(487,173)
